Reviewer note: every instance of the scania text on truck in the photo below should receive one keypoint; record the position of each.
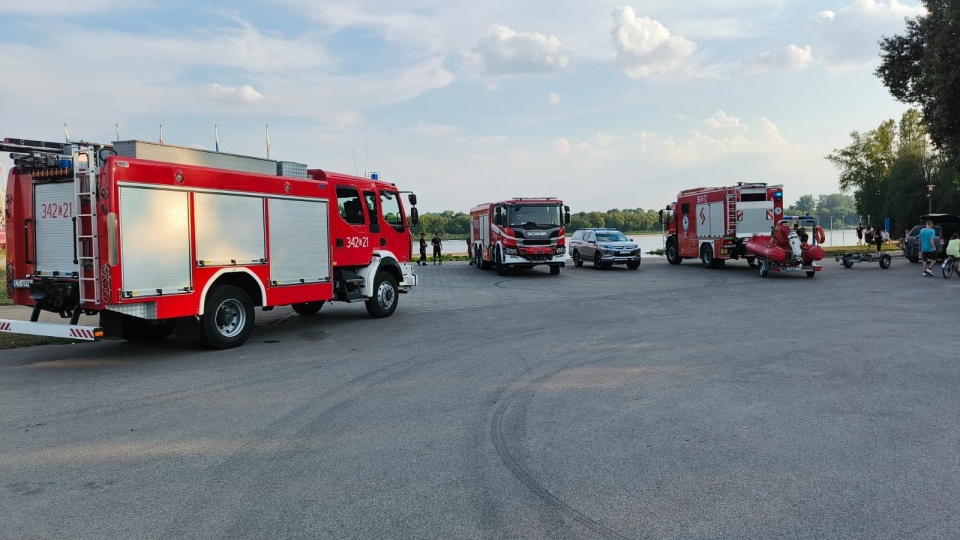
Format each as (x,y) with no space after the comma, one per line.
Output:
(519,233)
(713,224)
(160,240)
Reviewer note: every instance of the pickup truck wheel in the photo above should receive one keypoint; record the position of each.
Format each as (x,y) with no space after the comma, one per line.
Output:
(597,263)
(307,308)
(633,265)
(385,296)
(577,259)
(227,318)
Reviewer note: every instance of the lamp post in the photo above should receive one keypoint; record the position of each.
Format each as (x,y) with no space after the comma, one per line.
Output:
(930,198)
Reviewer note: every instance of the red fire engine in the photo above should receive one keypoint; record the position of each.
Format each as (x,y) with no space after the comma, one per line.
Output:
(162,240)
(519,233)
(713,224)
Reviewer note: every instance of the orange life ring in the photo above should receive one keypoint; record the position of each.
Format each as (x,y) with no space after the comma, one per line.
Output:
(819,234)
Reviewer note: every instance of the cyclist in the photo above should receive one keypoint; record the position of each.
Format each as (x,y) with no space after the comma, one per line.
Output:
(953,249)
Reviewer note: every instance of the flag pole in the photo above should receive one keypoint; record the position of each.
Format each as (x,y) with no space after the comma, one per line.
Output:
(216,137)
(161,133)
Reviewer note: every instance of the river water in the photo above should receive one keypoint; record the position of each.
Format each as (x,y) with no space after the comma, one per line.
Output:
(649,242)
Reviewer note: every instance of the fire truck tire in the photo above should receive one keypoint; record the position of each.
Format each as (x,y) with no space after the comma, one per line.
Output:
(811,273)
(554,270)
(227,318)
(502,269)
(137,330)
(307,308)
(577,259)
(706,257)
(385,295)
(673,255)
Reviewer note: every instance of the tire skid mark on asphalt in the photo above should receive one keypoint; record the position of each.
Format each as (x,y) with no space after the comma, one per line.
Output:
(288,428)
(273,373)
(517,468)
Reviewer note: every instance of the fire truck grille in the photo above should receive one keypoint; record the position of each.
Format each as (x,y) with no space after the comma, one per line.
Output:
(536,242)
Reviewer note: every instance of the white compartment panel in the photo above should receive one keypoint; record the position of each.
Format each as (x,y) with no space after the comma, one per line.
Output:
(299,241)
(229,229)
(53,216)
(155,240)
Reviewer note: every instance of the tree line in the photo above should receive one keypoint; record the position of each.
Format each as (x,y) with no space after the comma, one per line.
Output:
(636,220)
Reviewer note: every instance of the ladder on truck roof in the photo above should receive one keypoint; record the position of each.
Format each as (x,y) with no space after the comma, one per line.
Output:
(731,209)
(87,246)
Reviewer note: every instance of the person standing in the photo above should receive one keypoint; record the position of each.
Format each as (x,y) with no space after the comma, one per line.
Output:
(437,248)
(868,236)
(423,249)
(860,234)
(878,238)
(928,248)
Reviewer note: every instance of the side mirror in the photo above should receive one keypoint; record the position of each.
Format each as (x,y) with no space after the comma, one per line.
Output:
(660,219)
(414,216)
(412,198)
(566,218)
(566,209)
(497,219)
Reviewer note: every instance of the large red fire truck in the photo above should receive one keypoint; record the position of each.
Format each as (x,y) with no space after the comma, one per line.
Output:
(713,224)
(160,240)
(519,233)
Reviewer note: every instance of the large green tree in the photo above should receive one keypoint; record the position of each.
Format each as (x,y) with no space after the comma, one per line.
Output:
(890,170)
(919,67)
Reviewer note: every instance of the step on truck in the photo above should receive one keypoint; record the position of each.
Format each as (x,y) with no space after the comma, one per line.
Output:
(519,233)
(713,223)
(159,240)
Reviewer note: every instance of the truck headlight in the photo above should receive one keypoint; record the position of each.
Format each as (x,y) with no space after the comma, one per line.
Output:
(510,251)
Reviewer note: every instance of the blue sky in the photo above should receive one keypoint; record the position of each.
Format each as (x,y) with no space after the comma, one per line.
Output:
(606,104)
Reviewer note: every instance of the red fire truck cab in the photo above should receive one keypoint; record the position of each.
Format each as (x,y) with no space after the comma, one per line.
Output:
(713,224)
(159,239)
(519,233)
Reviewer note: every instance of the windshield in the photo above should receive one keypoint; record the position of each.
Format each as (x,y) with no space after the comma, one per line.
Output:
(611,237)
(533,215)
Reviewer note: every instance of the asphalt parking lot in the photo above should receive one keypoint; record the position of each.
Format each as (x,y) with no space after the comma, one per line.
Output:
(666,402)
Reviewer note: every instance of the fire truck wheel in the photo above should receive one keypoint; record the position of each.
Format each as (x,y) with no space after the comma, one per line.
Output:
(706,257)
(811,273)
(307,308)
(384,300)
(554,270)
(502,269)
(137,330)
(227,318)
(577,260)
(673,256)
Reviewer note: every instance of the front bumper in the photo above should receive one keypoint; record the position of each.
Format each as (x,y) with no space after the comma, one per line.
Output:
(410,278)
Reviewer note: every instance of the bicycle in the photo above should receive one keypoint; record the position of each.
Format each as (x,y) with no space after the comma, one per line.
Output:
(949,267)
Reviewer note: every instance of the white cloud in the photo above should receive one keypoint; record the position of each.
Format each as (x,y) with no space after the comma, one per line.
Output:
(504,51)
(492,87)
(61,9)
(244,94)
(432,130)
(563,146)
(645,47)
(721,119)
(848,37)
(553,98)
(790,57)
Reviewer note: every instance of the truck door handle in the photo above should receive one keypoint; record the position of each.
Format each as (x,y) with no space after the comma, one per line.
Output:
(339,242)
(26,240)
(383,242)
